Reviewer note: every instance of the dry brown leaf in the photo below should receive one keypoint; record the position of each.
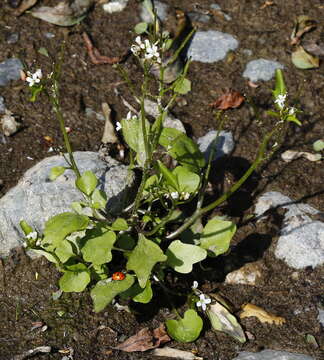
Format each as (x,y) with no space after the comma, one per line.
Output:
(314,48)
(229,100)
(25,5)
(265,317)
(144,340)
(303,25)
(175,353)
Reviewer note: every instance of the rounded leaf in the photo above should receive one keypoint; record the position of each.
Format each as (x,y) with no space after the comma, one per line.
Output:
(75,279)
(56,172)
(87,182)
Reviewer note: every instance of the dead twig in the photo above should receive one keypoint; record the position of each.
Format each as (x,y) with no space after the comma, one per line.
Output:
(96,57)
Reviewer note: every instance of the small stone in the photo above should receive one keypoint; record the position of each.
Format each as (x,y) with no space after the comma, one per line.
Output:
(301,240)
(211,46)
(12,38)
(261,69)
(115,6)
(320,316)
(9,124)
(2,105)
(49,35)
(272,355)
(249,274)
(224,144)
(161,11)
(217,8)
(10,70)
(197,17)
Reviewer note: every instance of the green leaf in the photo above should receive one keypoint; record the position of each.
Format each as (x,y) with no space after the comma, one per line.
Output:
(125,241)
(318,145)
(59,226)
(182,256)
(168,175)
(280,87)
(43,51)
(222,320)
(217,235)
(64,251)
(187,329)
(105,291)
(119,224)
(182,86)
(140,28)
(182,149)
(25,227)
(138,294)
(303,60)
(143,258)
(273,113)
(46,254)
(99,199)
(75,279)
(87,182)
(56,172)
(187,180)
(98,246)
(293,118)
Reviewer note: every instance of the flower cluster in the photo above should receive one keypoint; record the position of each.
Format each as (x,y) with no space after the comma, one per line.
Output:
(148,50)
(182,196)
(203,299)
(129,116)
(280,100)
(35,78)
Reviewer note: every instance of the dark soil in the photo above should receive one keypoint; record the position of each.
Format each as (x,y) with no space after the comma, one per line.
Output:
(26,298)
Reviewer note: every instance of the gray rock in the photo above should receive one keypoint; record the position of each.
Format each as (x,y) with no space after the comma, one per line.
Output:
(219,9)
(272,355)
(301,240)
(2,105)
(10,70)
(115,6)
(36,198)
(320,316)
(197,17)
(261,69)
(211,46)
(224,145)
(161,10)
(170,121)
(12,38)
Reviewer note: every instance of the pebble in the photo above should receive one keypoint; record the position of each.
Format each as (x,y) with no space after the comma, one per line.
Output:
(36,198)
(115,6)
(272,355)
(2,105)
(320,316)
(218,8)
(161,11)
(196,17)
(211,46)
(12,38)
(249,274)
(261,69)
(225,144)
(10,70)
(49,35)
(301,240)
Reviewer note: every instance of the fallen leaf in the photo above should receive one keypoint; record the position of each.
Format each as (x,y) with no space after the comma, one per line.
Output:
(25,5)
(303,25)
(109,134)
(291,155)
(229,100)
(144,340)
(64,14)
(303,60)
(175,353)
(265,317)
(314,48)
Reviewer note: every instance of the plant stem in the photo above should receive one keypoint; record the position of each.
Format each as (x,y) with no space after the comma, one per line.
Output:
(199,212)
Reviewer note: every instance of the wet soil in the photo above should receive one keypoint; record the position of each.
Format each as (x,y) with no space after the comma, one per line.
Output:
(27,286)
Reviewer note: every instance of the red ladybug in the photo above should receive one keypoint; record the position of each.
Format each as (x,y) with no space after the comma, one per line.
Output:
(118,276)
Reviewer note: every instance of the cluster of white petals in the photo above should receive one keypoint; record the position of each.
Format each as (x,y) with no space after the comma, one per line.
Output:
(280,100)
(35,78)
(182,196)
(203,298)
(130,116)
(149,51)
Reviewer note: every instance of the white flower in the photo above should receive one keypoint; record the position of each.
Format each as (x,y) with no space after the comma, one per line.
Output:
(152,51)
(204,300)
(175,195)
(130,116)
(280,100)
(140,43)
(38,242)
(118,126)
(35,78)
(292,111)
(185,195)
(32,235)
(194,285)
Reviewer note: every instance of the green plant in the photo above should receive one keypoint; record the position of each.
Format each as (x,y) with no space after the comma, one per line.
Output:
(150,233)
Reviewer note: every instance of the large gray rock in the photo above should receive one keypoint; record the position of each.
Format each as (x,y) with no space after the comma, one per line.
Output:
(10,70)
(301,241)
(272,355)
(261,69)
(36,198)
(223,146)
(211,46)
